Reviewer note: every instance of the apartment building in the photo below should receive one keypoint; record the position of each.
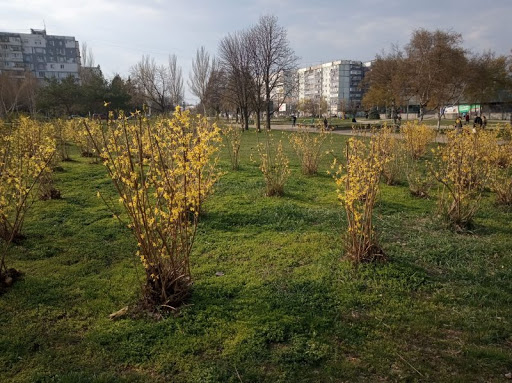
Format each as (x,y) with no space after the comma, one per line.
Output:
(338,82)
(46,56)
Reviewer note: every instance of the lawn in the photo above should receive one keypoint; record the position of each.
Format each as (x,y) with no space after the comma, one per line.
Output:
(273,298)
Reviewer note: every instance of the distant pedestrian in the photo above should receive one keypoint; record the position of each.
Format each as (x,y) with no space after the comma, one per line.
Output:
(294,120)
(325,123)
(467,118)
(478,122)
(458,124)
(484,122)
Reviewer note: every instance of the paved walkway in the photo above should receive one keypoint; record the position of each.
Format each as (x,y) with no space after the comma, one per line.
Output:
(441,138)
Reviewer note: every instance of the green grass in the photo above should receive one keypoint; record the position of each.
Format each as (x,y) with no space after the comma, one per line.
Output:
(288,307)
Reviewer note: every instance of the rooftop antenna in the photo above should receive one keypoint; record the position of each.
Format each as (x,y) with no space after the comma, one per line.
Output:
(44,25)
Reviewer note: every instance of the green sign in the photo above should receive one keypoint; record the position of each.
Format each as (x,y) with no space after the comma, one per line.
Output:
(465,108)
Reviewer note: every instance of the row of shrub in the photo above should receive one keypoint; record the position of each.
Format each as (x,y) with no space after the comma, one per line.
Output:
(163,169)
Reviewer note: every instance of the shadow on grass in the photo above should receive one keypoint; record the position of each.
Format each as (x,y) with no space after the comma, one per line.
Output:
(279,217)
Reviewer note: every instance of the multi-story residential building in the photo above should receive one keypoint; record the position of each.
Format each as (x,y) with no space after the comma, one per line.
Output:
(338,82)
(46,56)
(284,94)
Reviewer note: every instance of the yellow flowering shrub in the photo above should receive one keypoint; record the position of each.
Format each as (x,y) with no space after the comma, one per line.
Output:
(462,168)
(273,165)
(500,158)
(419,179)
(63,132)
(85,139)
(505,131)
(233,136)
(393,151)
(308,147)
(357,186)
(417,137)
(162,171)
(26,151)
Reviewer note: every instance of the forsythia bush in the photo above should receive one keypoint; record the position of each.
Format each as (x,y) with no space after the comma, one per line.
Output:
(233,135)
(419,179)
(63,132)
(273,165)
(358,185)
(162,171)
(26,151)
(417,137)
(308,147)
(462,167)
(392,150)
(500,180)
(86,139)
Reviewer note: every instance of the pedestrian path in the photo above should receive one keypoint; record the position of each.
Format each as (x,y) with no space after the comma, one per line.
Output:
(440,138)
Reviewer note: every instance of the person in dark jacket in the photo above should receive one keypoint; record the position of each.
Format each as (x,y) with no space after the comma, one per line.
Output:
(478,122)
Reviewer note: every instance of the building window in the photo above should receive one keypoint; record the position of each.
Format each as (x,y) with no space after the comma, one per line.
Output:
(41,74)
(61,66)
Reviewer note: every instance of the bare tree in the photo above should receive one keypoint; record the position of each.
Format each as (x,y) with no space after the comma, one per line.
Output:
(87,63)
(273,57)
(176,91)
(87,57)
(17,93)
(488,78)
(235,61)
(29,88)
(315,107)
(432,71)
(387,82)
(200,76)
(215,88)
(257,76)
(436,64)
(9,94)
(153,82)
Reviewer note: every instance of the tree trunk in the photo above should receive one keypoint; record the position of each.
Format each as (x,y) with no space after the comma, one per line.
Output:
(393,112)
(258,112)
(258,121)
(245,113)
(267,122)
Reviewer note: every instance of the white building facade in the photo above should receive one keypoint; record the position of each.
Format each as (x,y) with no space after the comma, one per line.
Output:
(46,56)
(338,82)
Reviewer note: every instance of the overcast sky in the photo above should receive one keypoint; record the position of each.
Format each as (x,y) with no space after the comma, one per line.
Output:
(120,32)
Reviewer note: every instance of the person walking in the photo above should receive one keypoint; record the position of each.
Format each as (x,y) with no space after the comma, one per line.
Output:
(478,122)
(325,123)
(294,120)
(484,122)
(467,118)
(458,124)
